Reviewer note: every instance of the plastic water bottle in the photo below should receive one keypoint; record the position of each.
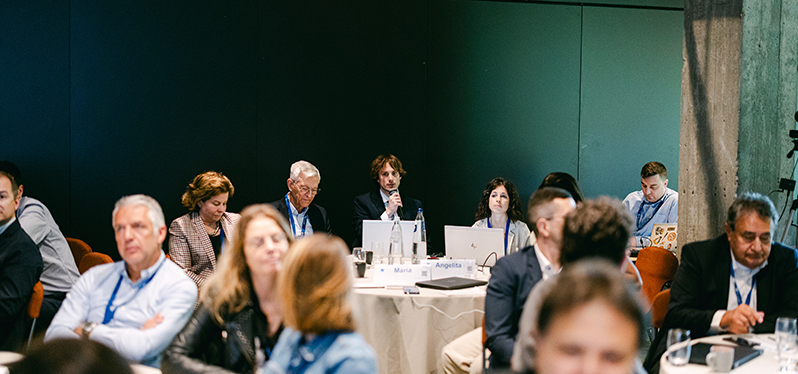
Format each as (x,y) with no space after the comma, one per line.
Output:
(395,249)
(419,237)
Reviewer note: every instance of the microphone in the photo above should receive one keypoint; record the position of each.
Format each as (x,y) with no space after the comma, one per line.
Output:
(399,208)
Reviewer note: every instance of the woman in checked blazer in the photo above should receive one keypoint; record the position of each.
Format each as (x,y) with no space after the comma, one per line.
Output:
(197,238)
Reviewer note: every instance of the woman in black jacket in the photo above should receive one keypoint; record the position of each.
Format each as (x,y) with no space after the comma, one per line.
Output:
(239,320)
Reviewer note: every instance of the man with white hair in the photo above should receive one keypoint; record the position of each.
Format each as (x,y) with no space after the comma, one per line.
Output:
(134,306)
(297,206)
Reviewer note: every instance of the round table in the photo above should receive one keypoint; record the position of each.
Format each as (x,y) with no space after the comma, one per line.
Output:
(767,362)
(408,332)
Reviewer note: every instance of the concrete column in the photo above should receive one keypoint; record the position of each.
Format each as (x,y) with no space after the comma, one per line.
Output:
(738,98)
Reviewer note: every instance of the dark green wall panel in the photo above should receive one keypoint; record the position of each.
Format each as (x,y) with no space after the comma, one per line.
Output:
(631,93)
(503,82)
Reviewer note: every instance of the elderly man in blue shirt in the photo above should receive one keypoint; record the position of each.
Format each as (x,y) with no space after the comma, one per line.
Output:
(135,306)
(655,203)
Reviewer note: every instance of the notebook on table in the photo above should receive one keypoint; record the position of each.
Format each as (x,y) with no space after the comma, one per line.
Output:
(699,351)
(452,283)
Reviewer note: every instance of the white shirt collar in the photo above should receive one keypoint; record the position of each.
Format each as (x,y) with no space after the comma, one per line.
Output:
(4,227)
(546,267)
(294,210)
(384,196)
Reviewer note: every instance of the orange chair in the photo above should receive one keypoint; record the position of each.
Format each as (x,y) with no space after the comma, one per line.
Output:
(657,266)
(34,307)
(92,259)
(79,249)
(660,308)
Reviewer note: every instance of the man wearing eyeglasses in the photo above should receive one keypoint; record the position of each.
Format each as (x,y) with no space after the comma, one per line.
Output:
(737,283)
(297,205)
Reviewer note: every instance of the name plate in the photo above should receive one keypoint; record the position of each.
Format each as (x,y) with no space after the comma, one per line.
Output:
(400,275)
(451,268)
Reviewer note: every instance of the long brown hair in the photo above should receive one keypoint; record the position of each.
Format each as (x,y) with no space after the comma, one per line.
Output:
(228,289)
(314,285)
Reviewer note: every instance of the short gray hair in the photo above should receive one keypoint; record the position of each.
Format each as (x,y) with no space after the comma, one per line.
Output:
(752,202)
(303,166)
(154,211)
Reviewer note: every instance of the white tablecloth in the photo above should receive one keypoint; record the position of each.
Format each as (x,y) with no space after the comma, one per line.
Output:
(767,362)
(409,332)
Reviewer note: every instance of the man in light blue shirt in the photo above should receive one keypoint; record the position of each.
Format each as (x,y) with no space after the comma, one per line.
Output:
(135,306)
(655,203)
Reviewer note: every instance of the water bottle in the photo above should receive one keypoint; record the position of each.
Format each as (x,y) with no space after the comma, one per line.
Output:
(419,237)
(395,249)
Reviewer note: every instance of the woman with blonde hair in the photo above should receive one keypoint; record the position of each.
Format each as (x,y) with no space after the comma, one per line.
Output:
(197,238)
(319,336)
(239,319)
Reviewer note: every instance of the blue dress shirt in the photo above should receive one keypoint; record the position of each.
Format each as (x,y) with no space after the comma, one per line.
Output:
(170,292)
(333,352)
(668,211)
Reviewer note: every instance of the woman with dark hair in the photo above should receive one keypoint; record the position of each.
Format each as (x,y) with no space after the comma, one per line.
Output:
(197,238)
(239,320)
(590,319)
(314,291)
(564,181)
(500,207)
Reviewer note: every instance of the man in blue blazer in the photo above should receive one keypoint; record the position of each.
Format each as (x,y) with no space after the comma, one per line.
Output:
(514,276)
(297,205)
(737,283)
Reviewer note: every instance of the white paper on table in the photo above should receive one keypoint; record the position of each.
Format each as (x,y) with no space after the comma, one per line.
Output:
(367,285)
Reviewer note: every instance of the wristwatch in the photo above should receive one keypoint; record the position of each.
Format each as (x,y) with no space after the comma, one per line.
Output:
(87,328)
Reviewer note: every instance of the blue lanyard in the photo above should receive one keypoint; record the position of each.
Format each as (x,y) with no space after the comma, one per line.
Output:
(506,231)
(291,218)
(109,312)
(658,204)
(737,290)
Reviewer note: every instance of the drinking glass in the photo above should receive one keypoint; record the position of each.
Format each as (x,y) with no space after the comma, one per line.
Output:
(359,254)
(378,248)
(787,341)
(679,346)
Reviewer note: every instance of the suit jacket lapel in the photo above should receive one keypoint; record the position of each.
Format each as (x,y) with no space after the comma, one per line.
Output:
(376,199)
(719,282)
(202,235)
(533,266)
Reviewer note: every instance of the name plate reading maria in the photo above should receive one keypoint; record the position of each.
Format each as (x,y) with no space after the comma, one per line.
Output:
(400,275)
(451,268)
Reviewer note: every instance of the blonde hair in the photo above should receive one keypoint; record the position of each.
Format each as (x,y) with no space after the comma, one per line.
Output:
(204,187)
(228,289)
(314,286)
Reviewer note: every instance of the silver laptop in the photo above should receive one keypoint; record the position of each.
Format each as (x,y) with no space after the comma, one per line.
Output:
(380,231)
(465,242)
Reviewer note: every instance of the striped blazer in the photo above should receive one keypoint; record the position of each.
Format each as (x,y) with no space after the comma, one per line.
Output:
(190,247)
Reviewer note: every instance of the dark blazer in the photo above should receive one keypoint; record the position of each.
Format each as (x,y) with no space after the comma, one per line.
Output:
(701,287)
(20,268)
(370,206)
(316,215)
(205,347)
(191,248)
(511,280)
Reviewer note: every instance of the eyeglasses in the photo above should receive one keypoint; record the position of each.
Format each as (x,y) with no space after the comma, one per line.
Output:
(307,190)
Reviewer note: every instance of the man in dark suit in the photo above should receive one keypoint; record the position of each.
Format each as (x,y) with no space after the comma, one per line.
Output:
(737,283)
(297,206)
(514,276)
(20,267)
(384,203)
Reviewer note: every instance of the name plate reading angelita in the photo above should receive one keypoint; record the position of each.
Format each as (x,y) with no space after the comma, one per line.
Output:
(451,268)
(400,275)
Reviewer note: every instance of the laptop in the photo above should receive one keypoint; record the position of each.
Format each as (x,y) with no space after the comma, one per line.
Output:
(452,283)
(380,231)
(477,243)
(699,352)
(664,235)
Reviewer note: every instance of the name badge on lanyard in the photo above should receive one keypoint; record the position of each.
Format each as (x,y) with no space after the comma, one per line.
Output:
(291,219)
